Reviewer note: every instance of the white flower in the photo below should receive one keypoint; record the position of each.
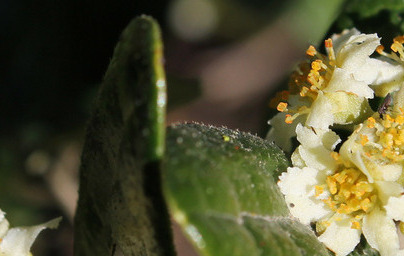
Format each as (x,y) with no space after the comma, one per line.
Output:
(377,148)
(377,145)
(18,241)
(328,189)
(330,89)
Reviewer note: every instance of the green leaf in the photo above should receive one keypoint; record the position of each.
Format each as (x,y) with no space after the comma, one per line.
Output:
(309,20)
(121,207)
(364,249)
(220,186)
(367,8)
(383,17)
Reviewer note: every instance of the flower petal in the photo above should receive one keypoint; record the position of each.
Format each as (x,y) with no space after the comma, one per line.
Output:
(340,39)
(388,172)
(348,108)
(282,133)
(312,149)
(381,233)
(3,224)
(354,53)
(317,157)
(395,208)
(387,189)
(352,151)
(344,81)
(18,241)
(321,114)
(378,71)
(298,181)
(340,238)
(330,140)
(297,160)
(306,209)
(298,186)
(390,77)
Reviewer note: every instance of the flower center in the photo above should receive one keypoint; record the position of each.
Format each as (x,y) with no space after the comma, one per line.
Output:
(310,77)
(350,193)
(388,144)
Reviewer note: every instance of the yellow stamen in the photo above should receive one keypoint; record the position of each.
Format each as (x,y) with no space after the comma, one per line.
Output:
(280,96)
(400,119)
(364,139)
(396,46)
(356,225)
(330,50)
(316,65)
(340,177)
(335,155)
(328,43)
(319,190)
(311,51)
(366,204)
(282,107)
(399,39)
(332,184)
(304,91)
(389,135)
(288,119)
(380,49)
(351,193)
(387,121)
(371,122)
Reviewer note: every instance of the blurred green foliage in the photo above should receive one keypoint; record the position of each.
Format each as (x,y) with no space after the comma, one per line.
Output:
(384,17)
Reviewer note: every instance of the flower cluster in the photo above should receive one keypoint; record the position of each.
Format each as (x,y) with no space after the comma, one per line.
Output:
(18,241)
(351,187)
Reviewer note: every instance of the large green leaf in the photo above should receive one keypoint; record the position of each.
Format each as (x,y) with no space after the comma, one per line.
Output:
(221,188)
(120,206)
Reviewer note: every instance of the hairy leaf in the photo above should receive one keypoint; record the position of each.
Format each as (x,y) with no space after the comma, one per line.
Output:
(221,188)
(120,206)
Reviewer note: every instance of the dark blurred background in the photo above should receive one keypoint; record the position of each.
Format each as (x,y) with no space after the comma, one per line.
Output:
(224,58)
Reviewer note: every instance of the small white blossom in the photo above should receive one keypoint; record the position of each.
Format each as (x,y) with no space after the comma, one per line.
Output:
(330,190)
(330,89)
(18,241)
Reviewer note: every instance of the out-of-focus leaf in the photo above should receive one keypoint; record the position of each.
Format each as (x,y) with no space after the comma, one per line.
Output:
(120,206)
(384,17)
(221,188)
(364,249)
(367,8)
